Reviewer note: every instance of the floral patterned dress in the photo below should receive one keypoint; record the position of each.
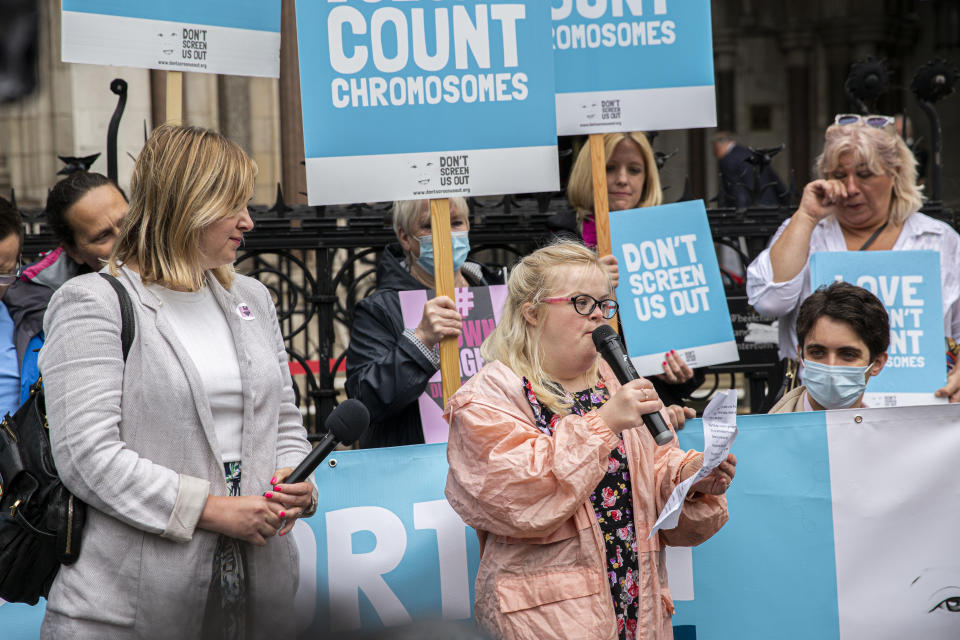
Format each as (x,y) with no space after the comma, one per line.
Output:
(613,506)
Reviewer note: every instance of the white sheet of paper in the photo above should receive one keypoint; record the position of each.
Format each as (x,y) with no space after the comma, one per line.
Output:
(719,432)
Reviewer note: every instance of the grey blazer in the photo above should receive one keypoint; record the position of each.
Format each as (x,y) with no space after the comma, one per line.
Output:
(137,444)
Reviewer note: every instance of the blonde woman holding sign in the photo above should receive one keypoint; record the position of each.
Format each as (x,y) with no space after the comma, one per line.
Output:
(548,465)
(632,182)
(388,365)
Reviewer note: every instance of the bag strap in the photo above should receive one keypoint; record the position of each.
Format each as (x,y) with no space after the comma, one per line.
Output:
(128,323)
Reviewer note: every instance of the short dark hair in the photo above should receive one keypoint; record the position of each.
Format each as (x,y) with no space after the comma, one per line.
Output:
(64,195)
(10,220)
(853,305)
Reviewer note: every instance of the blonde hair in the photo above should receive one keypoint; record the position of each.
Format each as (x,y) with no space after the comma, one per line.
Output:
(184,180)
(515,342)
(580,187)
(883,153)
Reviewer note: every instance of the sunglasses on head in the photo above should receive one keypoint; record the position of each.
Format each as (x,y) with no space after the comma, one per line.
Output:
(874,120)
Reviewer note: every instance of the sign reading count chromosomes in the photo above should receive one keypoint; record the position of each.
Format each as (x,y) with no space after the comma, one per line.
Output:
(633,65)
(231,37)
(413,99)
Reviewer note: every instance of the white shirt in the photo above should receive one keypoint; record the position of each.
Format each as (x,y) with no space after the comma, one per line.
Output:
(201,327)
(782,299)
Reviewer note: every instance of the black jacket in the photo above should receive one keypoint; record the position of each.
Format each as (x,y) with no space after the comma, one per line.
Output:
(386,371)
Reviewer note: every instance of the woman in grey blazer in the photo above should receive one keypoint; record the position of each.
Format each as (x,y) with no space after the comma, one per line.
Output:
(179,451)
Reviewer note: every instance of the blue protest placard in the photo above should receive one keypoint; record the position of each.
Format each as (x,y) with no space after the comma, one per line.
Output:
(233,37)
(410,100)
(908,285)
(670,292)
(629,65)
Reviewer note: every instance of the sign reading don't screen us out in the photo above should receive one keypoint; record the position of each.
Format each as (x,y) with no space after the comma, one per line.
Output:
(413,99)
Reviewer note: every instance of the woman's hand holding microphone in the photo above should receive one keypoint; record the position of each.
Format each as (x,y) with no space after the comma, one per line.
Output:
(253,519)
(625,409)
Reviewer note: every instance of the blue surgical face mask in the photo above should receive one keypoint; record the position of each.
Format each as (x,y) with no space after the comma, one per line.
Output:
(834,387)
(461,247)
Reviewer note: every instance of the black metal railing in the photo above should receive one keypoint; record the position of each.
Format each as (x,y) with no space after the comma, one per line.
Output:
(319,261)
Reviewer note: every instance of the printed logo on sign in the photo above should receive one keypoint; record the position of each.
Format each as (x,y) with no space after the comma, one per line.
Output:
(611,110)
(591,111)
(169,43)
(422,172)
(454,170)
(194,44)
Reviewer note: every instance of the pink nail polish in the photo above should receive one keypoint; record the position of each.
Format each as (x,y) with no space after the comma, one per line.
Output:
(273,480)
(277,489)
(283,513)
(664,363)
(281,533)
(268,495)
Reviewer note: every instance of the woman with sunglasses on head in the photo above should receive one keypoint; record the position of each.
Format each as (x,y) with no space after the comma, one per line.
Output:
(550,463)
(866,199)
(632,182)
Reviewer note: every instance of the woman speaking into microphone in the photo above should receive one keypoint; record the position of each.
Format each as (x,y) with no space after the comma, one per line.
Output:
(551,464)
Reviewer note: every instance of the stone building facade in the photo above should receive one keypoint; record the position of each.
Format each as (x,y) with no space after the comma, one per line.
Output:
(780,69)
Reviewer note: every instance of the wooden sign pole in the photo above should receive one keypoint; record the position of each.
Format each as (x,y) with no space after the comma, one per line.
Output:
(601,204)
(175,97)
(444,284)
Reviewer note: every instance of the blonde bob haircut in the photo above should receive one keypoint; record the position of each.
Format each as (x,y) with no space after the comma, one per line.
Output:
(580,187)
(184,180)
(515,342)
(884,153)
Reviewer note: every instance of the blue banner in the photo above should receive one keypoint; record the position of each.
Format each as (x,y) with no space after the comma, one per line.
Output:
(454,97)
(670,292)
(633,65)
(908,285)
(819,543)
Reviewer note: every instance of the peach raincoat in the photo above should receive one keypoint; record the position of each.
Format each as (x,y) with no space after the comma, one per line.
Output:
(542,570)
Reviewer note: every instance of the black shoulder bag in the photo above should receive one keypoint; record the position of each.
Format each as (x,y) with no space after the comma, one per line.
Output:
(41,522)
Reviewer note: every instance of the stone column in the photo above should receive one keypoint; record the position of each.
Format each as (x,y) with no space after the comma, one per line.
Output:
(796,44)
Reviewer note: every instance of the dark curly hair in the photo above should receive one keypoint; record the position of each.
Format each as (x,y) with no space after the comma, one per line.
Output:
(10,220)
(852,305)
(64,195)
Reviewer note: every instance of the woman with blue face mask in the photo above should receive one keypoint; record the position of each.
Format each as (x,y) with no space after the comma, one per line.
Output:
(843,333)
(388,365)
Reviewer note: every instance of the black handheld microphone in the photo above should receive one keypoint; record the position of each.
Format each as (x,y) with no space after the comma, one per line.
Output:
(607,342)
(345,424)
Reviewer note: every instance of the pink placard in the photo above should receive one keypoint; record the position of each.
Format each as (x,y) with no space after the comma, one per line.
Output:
(480,309)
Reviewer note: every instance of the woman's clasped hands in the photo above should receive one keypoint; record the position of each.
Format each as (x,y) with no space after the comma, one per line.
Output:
(253,519)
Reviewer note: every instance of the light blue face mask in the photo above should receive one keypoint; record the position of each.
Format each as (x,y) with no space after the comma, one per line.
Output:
(834,387)
(461,247)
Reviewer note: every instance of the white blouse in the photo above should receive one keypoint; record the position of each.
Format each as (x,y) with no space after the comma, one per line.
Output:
(199,323)
(782,299)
